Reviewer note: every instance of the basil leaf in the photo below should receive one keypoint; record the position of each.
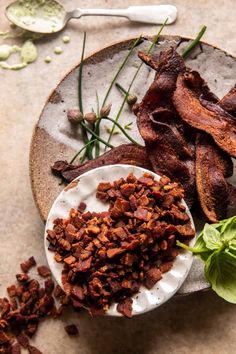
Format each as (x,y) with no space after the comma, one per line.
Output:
(212,238)
(230,253)
(199,249)
(228,229)
(220,272)
(232,245)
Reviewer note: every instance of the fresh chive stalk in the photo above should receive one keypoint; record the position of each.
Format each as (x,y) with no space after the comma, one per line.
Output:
(92,132)
(81,150)
(88,151)
(134,77)
(97,127)
(194,43)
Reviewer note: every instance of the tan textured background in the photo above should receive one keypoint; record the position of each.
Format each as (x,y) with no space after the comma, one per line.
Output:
(200,323)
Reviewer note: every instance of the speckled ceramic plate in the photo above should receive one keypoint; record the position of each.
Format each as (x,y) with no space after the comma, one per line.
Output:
(54,139)
(83,189)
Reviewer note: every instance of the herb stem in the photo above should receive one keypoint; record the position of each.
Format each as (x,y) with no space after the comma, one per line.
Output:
(95,135)
(134,77)
(97,127)
(80,97)
(193,44)
(120,68)
(81,150)
(121,88)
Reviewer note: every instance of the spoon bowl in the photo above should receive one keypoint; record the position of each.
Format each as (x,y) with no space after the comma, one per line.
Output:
(49,16)
(41,16)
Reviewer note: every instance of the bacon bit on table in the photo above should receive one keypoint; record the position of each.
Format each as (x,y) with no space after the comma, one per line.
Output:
(72,330)
(44,271)
(25,266)
(27,305)
(108,256)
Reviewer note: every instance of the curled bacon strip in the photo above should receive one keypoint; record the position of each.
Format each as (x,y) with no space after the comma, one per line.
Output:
(220,126)
(228,102)
(212,188)
(168,149)
(125,154)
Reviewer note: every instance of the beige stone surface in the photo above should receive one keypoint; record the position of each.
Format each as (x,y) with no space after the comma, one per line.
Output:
(200,323)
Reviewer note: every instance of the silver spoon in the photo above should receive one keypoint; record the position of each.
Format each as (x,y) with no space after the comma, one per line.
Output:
(48,16)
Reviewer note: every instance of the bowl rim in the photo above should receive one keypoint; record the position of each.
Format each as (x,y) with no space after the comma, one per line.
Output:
(73,185)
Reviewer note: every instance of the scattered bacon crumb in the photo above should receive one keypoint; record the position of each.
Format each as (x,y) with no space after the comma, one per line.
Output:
(152,276)
(44,271)
(125,307)
(72,330)
(27,305)
(22,278)
(23,340)
(34,350)
(25,266)
(82,207)
(15,349)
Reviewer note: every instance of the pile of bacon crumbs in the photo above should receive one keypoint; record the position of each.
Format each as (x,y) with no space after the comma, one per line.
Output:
(27,304)
(107,256)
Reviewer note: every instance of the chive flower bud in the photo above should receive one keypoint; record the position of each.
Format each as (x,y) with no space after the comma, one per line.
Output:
(74,116)
(131,99)
(90,117)
(105,111)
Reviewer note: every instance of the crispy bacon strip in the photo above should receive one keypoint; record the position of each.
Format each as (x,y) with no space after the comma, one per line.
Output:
(162,130)
(228,102)
(212,187)
(232,197)
(186,100)
(149,60)
(129,154)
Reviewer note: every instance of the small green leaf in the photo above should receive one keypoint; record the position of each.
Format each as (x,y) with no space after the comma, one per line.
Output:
(108,130)
(212,238)
(128,126)
(230,253)
(220,272)
(228,229)
(232,245)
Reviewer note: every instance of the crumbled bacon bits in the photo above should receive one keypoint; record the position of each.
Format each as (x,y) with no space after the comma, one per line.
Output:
(107,256)
(27,305)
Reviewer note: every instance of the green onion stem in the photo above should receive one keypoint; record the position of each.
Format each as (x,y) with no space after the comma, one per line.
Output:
(134,77)
(95,135)
(84,132)
(120,68)
(193,44)
(97,127)
(81,75)
(81,150)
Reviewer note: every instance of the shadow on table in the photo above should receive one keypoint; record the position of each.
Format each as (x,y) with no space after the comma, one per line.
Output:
(176,324)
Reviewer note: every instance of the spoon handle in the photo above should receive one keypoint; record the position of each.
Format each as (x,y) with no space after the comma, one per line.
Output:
(156,14)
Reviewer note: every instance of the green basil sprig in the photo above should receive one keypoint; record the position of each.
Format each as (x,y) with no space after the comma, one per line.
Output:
(216,247)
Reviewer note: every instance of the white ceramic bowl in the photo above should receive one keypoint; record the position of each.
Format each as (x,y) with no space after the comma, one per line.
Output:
(83,188)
